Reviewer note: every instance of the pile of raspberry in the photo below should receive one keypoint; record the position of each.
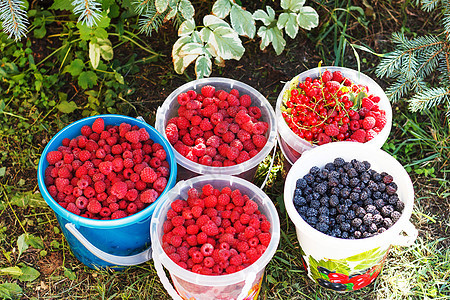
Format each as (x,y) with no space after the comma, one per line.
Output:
(333,108)
(107,172)
(217,128)
(215,232)
(348,199)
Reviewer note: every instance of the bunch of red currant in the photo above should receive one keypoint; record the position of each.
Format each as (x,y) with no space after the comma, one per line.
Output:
(332,108)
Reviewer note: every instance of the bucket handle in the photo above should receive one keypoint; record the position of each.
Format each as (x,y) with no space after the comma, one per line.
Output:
(411,235)
(271,165)
(131,260)
(174,294)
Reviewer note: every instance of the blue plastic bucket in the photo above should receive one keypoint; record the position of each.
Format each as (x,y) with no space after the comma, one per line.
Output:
(106,243)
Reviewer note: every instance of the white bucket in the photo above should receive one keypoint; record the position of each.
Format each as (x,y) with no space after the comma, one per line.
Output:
(361,259)
(244,284)
(247,169)
(293,146)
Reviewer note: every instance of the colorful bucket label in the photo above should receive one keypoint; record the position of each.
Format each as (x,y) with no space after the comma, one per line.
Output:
(347,274)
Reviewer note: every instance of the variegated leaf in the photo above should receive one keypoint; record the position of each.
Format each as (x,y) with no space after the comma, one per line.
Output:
(221,8)
(272,35)
(307,18)
(203,66)
(191,49)
(263,17)
(180,63)
(94,54)
(179,44)
(242,21)
(213,22)
(186,28)
(292,5)
(161,5)
(186,9)
(227,43)
(289,23)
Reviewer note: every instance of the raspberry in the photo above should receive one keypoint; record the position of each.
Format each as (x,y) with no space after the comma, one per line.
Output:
(160,184)
(94,206)
(250,207)
(119,189)
(332,86)
(183,98)
(337,76)
(84,155)
(367,103)
(98,126)
(370,134)
(118,214)
(245,100)
(381,121)
(210,228)
(148,196)
(207,190)
(259,140)
(143,134)
(86,130)
(73,208)
(368,122)
(232,153)
(242,117)
(322,139)
(54,156)
(208,91)
(133,136)
(243,135)
(232,100)
(327,76)
(148,175)
(331,130)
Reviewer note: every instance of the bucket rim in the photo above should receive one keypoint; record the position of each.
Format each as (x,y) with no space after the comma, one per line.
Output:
(228,170)
(293,140)
(219,280)
(378,239)
(82,221)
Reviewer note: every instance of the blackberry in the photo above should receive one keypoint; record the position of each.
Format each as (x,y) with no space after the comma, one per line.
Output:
(344,226)
(391,188)
(339,161)
(360,212)
(348,202)
(356,222)
(350,215)
(371,209)
(321,188)
(323,219)
(367,219)
(314,170)
(335,232)
(345,235)
(354,161)
(345,180)
(299,201)
(323,174)
(360,203)
(324,200)
(354,182)
(345,192)
(334,201)
(342,208)
(301,183)
(377,219)
(377,176)
(368,201)
(311,221)
(363,195)
(333,182)
(357,234)
(354,207)
(316,196)
(365,177)
(381,230)
(347,166)
(340,170)
(322,227)
(340,218)
(307,190)
(367,164)
(354,196)
(311,212)
(302,210)
(324,210)
(362,228)
(381,187)
(376,195)
(298,192)
(309,178)
(352,172)
(387,179)
(387,210)
(309,198)
(373,228)
(366,234)
(332,222)
(333,174)
(333,211)
(395,215)
(385,197)
(399,205)
(372,185)
(330,166)
(314,204)
(360,167)
(379,204)
(387,222)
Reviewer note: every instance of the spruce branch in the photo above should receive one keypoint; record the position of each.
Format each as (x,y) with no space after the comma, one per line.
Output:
(150,20)
(89,10)
(14,18)
(429,98)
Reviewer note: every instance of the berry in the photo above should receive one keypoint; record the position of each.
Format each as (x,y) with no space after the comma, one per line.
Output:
(331,130)
(368,122)
(119,189)
(148,175)
(54,156)
(98,126)
(208,91)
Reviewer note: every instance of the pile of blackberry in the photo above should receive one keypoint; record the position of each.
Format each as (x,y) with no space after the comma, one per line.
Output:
(348,200)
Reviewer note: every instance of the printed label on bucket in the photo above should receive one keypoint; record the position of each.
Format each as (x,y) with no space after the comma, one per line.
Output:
(347,274)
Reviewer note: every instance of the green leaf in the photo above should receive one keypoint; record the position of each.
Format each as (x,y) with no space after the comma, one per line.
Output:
(221,8)
(62,5)
(289,23)
(119,78)
(101,33)
(186,9)
(11,271)
(22,245)
(307,18)
(292,5)
(242,21)
(87,79)
(70,274)
(75,67)
(161,5)
(10,291)
(186,28)
(104,20)
(28,274)
(203,66)
(85,31)
(39,33)
(272,35)
(94,54)
(67,107)
(34,241)
(106,49)
(2,171)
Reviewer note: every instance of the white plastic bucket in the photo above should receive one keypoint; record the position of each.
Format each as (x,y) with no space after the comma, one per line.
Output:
(293,146)
(244,284)
(351,258)
(247,169)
